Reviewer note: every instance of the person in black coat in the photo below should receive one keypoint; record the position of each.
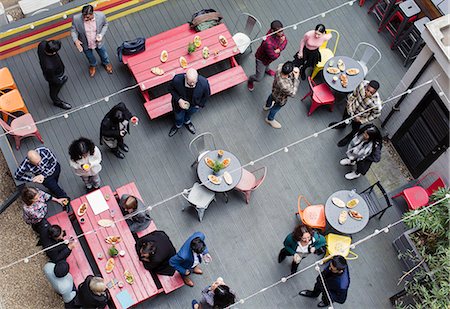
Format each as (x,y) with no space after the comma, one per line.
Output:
(92,293)
(115,125)
(154,251)
(53,70)
(51,236)
(363,150)
(337,281)
(189,93)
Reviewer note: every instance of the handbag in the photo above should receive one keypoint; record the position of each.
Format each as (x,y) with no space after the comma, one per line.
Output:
(131,47)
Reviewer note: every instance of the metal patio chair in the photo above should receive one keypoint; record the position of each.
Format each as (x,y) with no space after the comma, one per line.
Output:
(243,39)
(370,52)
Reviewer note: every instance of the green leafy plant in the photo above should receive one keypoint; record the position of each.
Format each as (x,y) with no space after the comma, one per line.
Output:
(113,251)
(217,166)
(432,289)
(191,47)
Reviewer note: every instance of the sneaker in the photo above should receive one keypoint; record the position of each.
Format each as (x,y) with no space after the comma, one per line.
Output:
(270,72)
(250,86)
(266,108)
(274,124)
(352,175)
(346,162)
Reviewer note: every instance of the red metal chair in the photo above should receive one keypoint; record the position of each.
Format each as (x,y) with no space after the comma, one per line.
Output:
(320,95)
(21,127)
(249,182)
(419,195)
(313,215)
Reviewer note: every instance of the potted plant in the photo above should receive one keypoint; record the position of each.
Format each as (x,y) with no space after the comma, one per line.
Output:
(427,285)
(113,252)
(191,47)
(217,167)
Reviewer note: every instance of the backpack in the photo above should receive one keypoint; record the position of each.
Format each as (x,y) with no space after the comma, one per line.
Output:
(132,47)
(205,19)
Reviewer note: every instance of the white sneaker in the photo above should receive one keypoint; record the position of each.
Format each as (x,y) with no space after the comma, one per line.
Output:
(346,162)
(275,124)
(267,108)
(352,175)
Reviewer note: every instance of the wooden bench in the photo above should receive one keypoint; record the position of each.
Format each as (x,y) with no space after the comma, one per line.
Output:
(77,260)
(218,82)
(169,283)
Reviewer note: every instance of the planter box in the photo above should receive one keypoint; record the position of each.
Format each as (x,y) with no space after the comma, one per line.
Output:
(408,253)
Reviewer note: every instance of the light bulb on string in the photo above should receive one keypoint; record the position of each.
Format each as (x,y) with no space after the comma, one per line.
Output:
(31,26)
(235,49)
(447,196)
(347,121)
(149,208)
(386,230)
(315,134)
(26,260)
(321,262)
(283,279)
(242,301)
(352,246)
(317,268)
(66,241)
(408,91)
(351,3)
(377,232)
(252,163)
(106,99)
(66,116)
(286,149)
(264,38)
(64,16)
(142,86)
(441,94)
(323,15)
(294,27)
(185,191)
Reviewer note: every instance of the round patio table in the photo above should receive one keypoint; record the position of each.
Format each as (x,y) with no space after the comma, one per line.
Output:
(351,226)
(235,170)
(353,80)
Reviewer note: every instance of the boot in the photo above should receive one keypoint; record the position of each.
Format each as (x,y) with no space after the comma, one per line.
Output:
(294,267)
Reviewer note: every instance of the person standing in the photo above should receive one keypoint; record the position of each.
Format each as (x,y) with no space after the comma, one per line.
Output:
(301,242)
(115,125)
(189,257)
(61,281)
(363,98)
(363,150)
(53,70)
(216,296)
(85,159)
(88,32)
(309,55)
(41,166)
(284,85)
(337,281)
(269,51)
(189,93)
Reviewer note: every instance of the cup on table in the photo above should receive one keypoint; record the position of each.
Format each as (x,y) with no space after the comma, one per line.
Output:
(335,78)
(220,153)
(134,120)
(331,63)
(82,220)
(100,256)
(112,212)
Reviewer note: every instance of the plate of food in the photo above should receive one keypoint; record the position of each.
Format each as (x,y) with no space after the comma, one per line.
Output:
(226,162)
(109,265)
(157,71)
(82,209)
(183,62)
(113,239)
(197,41)
(333,70)
(214,179)
(128,277)
(343,217)
(352,71)
(352,203)
(209,162)
(344,80)
(341,65)
(338,202)
(223,41)
(164,56)
(355,215)
(205,52)
(105,222)
(227,177)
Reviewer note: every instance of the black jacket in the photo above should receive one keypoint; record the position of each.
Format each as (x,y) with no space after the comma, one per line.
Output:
(337,284)
(51,65)
(110,125)
(88,299)
(56,254)
(164,251)
(177,89)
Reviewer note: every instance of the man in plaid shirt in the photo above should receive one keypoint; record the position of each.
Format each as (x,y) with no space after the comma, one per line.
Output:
(269,50)
(365,96)
(40,166)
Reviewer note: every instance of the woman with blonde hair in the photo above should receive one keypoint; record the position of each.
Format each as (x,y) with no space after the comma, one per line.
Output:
(92,293)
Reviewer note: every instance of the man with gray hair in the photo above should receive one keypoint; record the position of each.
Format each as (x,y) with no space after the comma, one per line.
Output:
(189,93)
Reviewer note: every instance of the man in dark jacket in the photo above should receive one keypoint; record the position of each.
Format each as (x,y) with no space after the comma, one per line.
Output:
(52,236)
(53,70)
(93,293)
(189,93)
(154,251)
(337,282)
(115,125)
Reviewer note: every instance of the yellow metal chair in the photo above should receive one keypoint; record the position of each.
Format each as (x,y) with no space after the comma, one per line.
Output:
(339,245)
(325,52)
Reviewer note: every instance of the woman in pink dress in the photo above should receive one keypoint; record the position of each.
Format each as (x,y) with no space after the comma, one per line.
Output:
(309,55)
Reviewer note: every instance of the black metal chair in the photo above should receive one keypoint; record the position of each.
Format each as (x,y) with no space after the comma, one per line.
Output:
(373,202)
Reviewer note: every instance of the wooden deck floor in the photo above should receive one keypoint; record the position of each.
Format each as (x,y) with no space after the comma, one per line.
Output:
(244,240)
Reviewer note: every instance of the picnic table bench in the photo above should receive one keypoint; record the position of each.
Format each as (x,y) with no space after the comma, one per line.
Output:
(143,287)
(175,42)
(169,283)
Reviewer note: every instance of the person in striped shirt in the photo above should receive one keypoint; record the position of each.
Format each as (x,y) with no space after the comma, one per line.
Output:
(364,99)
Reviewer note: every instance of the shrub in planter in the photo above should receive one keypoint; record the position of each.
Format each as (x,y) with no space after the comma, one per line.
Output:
(432,289)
